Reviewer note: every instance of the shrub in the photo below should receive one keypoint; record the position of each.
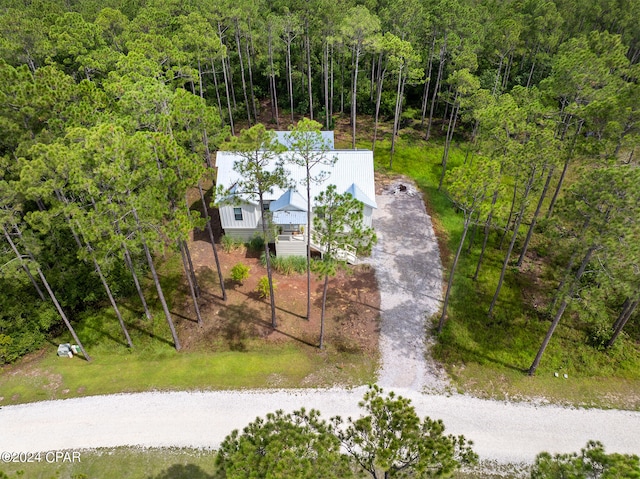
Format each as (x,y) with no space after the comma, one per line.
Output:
(256,243)
(239,272)
(230,244)
(287,265)
(263,287)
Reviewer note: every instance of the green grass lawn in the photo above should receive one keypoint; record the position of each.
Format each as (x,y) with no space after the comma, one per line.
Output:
(117,463)
(259,367)
(171,463)
(489,357)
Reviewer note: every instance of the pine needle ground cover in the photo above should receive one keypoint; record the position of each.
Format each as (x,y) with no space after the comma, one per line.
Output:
(489,356)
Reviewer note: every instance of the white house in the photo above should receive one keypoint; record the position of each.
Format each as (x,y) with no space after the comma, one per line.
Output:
(240,216)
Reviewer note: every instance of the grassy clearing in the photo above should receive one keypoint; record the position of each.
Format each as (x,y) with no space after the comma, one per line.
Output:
(489,356)
(116,463)
(174,463)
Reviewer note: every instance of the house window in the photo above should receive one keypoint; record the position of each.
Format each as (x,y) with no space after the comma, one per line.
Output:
(237,212)
(265,205)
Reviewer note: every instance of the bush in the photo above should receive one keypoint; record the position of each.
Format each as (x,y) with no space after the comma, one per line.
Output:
(230,244)
(287,265)
(263,287)
(256,243)
(239,272)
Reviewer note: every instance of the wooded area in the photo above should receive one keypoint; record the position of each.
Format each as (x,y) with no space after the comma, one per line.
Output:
(110,110)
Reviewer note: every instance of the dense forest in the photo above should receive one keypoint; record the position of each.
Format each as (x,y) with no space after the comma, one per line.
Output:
(110,112)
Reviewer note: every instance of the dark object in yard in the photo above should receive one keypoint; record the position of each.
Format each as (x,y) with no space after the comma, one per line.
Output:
(403,188)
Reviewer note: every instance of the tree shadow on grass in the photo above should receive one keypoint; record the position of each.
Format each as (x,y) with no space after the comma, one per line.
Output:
(144,332)
(481,358)
(181,471)
(102,333)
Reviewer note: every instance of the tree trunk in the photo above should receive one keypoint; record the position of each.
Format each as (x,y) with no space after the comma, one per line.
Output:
(289,75)
(447,143)
(213,242)
(129,262)
(325,72)
(331,84)
(33,281)
(472,239)
(425,96)
(558,316)
(308,50)
(535,218)
(226,87)
(513,205)
(467,221)
(341,86)
(156,281)
(309,244)
(564,171)
(252,88)
(533,66)
(98,269)
(516,227)
(267,255)
(621,323)
(324,302)
(217,88)
(200,87)
(487,230)
(353,100)
(398,112)
(244,83)
(506,261)
(443,51)
(191,270)
(51,294)
(381,74)
(113,301)
(272,83)
(182,247)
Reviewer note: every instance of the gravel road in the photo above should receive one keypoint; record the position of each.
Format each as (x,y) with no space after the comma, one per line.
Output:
(410,277)
(502,432)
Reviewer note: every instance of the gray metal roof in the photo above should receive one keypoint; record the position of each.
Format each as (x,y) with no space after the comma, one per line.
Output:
(290,218)
(359,195)
(352,167)
(290,200)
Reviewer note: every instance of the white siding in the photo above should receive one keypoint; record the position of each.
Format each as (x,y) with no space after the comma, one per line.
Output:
(291,248)
(368,213)
(250,217)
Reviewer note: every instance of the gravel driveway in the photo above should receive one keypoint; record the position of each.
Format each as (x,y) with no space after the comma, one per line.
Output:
(409,273)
